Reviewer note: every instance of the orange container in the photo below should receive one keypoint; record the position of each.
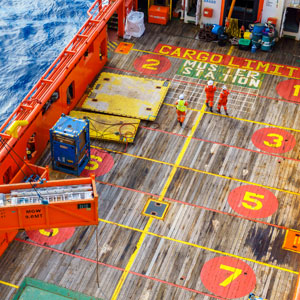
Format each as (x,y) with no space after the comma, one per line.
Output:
(5,239)
(72,202)
(272,20)
(158,14)
(208,12)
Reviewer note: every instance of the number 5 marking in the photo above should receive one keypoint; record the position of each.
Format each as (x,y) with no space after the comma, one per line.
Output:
(151,66)
(93,165)
(236,273)
(278,140)
(258,204)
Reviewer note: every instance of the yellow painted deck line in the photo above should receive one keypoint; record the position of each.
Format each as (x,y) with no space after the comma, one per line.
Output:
(9,284)
(131,260)
(240,119)
(162,194)
(199,171)
(201,247)
(230,50)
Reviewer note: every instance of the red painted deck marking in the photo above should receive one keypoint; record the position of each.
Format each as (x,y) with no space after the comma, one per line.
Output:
(289,89)
(274,140)
(124,48)
(228,277)
(292,241)
(53,236)
(228,60)
(101,163)
(253,201)
(152,64)
(199,84)
(221,144)
(119,269)
(194,205)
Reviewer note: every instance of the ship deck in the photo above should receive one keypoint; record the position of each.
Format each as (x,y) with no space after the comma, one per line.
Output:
(212,243)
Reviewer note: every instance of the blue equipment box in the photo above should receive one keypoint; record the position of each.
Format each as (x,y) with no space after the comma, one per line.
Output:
(70,145)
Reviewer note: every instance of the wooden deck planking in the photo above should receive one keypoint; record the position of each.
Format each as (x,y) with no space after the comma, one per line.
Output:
(172,260)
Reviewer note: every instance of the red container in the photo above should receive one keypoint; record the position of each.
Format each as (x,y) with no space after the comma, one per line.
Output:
(208,12)
(158,14)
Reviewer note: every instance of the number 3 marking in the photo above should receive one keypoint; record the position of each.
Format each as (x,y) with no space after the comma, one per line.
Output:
(236,273)
(278,140)
(152,64)
(258,204)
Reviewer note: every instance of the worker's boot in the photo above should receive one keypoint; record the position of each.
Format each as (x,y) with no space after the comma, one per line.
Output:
(206,104)
(180,123)
(211,109)
(226,112)
(218,111)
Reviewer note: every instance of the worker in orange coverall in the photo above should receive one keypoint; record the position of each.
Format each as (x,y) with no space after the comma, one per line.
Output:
(210,93)
(223,100)
(181,107)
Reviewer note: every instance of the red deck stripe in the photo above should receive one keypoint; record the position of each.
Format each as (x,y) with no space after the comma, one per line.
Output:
(199,84)
(119,269)
(221,144)
(194,205)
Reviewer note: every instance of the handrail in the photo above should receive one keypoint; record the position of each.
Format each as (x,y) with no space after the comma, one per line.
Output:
(62,65)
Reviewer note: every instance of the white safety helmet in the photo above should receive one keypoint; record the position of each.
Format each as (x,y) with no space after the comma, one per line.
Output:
(181,97)
(224,87)
(210,82)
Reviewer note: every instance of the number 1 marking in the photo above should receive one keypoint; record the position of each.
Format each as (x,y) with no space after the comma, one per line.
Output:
(236,273)
(297,89)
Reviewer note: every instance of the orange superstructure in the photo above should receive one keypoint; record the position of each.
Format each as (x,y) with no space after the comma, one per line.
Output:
(25,134)
(58,91)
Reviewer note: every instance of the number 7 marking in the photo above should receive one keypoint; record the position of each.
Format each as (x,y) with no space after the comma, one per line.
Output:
(236,273)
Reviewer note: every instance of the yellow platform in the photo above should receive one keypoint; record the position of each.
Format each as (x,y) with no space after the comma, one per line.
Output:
(112,128)
(127,96)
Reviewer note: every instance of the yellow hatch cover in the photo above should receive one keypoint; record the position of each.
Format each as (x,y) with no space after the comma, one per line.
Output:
(107,127)
(127,96)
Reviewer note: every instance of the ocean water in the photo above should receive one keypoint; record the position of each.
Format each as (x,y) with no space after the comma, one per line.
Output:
(32,34)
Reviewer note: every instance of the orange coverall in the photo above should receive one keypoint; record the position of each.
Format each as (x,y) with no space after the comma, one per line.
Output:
(210,92)
(223,100)
(181,114)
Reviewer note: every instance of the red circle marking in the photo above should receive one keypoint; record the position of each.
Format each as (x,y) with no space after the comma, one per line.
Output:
(289,89)
(101,163)
(228,277)
(152,64)
(52,236)
(274,140)
(253,201)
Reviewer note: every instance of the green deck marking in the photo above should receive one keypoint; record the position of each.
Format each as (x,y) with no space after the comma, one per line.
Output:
(36,289)
(206,71)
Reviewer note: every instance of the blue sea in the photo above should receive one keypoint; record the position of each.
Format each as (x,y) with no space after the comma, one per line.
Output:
(32,34)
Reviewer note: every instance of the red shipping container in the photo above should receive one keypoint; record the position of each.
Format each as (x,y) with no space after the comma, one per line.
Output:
(158,14)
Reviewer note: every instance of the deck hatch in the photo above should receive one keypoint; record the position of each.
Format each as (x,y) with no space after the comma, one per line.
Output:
(156,209)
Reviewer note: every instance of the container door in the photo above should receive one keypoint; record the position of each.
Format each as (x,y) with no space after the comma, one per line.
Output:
(282,23)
